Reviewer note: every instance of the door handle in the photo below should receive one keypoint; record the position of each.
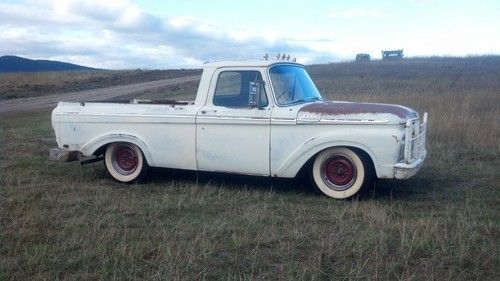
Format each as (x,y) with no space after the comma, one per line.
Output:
(203,111)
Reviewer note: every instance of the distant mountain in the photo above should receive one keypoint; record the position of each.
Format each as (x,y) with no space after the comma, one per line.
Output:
(19,64)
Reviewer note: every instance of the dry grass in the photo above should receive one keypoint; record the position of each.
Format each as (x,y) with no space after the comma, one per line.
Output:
(462,93)
(184,91)
(22,85)
(62,221)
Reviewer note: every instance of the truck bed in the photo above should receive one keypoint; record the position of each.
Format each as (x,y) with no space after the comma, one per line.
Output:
(138,101)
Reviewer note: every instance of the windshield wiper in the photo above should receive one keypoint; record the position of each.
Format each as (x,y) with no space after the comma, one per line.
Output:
(298,101)
(305,100)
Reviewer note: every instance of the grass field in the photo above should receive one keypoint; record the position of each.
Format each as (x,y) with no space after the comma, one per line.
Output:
(23,85)
(63,221)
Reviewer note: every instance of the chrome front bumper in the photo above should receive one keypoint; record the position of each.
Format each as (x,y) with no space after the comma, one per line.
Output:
(407,170)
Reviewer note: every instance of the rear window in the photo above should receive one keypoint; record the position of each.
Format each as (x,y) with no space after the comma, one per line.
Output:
(232,89)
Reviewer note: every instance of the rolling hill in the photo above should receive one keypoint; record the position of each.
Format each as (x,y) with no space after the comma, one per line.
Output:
(19,64)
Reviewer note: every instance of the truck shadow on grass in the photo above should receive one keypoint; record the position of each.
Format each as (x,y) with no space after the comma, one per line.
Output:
(229,181)
(410,189)
(383,189)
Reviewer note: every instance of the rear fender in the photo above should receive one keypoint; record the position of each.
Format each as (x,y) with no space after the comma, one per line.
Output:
(91,147)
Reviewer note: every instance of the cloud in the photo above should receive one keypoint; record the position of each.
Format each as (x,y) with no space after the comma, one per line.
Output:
(118,34)
(357,13)
(423,2)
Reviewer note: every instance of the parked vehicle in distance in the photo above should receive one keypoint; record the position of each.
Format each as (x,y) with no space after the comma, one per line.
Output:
(363,57)
(262,118)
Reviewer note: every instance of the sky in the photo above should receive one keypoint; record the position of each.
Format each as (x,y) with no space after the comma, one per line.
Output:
(154,34)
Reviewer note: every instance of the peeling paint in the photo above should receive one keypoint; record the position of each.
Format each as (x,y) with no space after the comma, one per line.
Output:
(346,108)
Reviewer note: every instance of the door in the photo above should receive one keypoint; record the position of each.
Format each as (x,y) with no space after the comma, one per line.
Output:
(231,136)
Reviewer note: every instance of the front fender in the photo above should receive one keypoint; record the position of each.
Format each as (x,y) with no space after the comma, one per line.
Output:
(92,146)
(365,141)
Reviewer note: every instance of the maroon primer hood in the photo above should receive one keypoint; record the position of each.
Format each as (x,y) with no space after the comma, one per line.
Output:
(347,108)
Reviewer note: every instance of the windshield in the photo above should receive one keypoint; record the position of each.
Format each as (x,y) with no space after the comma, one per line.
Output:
(292,84)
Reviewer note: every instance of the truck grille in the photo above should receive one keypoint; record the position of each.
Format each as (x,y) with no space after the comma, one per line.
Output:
(415,139)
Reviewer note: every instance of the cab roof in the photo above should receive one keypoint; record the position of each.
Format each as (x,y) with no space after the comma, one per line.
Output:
(250,63)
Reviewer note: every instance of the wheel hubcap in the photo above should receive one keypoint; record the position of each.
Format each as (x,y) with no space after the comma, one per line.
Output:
(126,159)
(338,172)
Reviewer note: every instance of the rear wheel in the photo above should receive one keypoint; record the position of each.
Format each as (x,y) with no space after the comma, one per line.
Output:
(125,162)
(340,173)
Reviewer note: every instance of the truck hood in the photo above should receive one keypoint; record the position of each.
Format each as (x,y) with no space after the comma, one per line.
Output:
(354,112)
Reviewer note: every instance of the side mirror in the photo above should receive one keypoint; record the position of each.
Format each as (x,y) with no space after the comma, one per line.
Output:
(254,94)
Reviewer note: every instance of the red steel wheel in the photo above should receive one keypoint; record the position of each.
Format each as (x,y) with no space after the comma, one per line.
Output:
(125,159)
(339,172)
(125,162)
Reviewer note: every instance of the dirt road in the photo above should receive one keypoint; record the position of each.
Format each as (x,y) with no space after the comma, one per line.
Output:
(125,91)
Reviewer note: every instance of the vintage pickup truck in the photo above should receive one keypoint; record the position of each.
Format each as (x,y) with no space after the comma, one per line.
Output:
(262,118)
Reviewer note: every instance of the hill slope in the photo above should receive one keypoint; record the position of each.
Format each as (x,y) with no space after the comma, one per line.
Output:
(19,64)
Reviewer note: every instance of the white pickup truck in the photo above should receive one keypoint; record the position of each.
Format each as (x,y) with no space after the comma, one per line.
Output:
(262,118)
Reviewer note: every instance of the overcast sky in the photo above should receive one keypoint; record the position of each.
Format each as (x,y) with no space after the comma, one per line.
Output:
(121,34)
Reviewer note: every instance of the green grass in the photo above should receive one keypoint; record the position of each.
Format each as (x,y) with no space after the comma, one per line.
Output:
(64,221)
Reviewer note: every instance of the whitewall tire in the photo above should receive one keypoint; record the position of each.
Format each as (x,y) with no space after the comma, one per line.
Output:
(125,162)
(340,173)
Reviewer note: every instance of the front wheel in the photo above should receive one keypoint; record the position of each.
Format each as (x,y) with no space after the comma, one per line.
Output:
(125,162)
(340,173)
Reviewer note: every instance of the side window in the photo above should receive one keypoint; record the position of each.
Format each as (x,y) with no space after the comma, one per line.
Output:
(232,89)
